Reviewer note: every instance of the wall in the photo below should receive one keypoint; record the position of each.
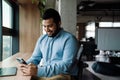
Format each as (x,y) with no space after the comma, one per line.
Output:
(67,11)
(29,26)
(81,30)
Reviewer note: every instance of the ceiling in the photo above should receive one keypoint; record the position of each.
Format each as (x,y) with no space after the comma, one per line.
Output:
(98,10)
(95,10)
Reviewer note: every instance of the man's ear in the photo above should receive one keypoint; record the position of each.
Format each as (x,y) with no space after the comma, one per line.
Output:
(59,22)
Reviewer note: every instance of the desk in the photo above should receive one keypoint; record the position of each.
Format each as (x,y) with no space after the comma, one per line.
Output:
(102,77)
(108,59)
(11,62)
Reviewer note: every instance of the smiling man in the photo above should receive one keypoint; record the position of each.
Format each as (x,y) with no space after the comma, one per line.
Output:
(50,27)
(55,52)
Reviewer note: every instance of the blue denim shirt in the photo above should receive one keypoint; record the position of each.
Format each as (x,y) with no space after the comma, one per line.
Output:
(58,54)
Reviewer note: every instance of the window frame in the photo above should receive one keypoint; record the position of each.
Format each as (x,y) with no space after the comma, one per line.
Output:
(14,31)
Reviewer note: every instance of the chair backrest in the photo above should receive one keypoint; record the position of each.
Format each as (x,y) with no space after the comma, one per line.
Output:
(81,65)
(79,54)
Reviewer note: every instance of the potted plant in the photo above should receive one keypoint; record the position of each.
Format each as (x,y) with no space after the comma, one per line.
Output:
(41,5)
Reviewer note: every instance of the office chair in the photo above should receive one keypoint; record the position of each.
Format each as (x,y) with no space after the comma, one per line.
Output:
(80,63)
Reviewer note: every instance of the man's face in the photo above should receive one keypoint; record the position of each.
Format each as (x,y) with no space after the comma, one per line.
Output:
(50,27)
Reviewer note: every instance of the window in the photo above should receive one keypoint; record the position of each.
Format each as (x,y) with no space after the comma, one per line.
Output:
(7,23)
(90,30)
(7,48)
(0,30)
(9,41)
(109,24)
(6,15)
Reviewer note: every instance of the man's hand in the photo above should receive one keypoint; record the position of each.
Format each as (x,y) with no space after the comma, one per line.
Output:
(28,70)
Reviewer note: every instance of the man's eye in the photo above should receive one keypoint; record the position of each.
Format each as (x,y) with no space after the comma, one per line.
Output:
(44,26)
(51,25)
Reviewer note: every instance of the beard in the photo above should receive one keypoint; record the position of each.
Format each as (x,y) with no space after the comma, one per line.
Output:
(53,34)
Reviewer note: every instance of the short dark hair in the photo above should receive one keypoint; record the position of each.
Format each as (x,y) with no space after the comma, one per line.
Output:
(51,13)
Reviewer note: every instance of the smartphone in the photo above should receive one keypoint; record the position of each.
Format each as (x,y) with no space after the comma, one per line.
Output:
(21,60)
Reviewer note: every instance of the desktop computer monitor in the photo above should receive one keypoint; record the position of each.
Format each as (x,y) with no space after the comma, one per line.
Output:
(108,38)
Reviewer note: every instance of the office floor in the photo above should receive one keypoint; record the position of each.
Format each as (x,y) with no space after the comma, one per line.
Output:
(87,75)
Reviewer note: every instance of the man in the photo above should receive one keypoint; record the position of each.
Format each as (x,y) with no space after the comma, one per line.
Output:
(55,52)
